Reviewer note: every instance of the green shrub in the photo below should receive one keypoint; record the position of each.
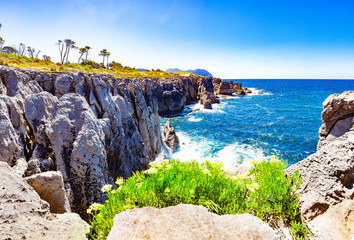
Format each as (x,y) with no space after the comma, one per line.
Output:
(92,64)
(265,192)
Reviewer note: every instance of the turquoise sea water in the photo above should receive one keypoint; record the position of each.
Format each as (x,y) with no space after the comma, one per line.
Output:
(283,122)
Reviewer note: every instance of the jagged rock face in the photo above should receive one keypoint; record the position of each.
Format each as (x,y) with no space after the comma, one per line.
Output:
(23,215)
(187,222)
(90,127)
(12,129)
(226,87)
(77,140)
(174,94)
(328,174)
(170,137)
(337,116)
(17,83)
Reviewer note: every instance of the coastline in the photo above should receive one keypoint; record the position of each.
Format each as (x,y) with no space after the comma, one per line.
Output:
(114,131)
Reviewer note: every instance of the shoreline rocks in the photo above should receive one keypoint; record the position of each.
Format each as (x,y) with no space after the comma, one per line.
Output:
(170,138)
(327,193)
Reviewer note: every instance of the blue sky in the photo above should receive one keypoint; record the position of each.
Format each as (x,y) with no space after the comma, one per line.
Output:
(231,39)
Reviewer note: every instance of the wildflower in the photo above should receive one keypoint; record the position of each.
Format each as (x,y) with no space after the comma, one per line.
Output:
(167,191)
(155,165)
(254,162)
(139,184)
(239,177)
(219,164)
(274,159)
(151,170)
(253,186)
(168,167)
(94,207)
(106,188)
(120,181)
(165,162)
(206,171)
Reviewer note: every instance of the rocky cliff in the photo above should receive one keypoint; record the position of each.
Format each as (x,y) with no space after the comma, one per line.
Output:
(327,193)
(91,128)
(175,93)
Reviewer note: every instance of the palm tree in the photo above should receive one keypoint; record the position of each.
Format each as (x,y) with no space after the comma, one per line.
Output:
(105,55)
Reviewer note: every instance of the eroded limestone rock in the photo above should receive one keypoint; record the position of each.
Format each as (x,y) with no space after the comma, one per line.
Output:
(326,193)
(187,222)
(23,215)
(337,116)
(50,187)
(78,143)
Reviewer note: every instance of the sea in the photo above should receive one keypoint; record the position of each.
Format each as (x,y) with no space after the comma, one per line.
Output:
(283,121)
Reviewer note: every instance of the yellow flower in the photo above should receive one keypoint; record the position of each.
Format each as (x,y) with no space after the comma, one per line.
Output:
(274,159)
(167,190)
(168,167)
(254,162)
(239,177)
(253,186)
(106,188)
(219,164)
(120,181)
(151,170)
(155,165)
(94,207)
(206,171)
(165,162)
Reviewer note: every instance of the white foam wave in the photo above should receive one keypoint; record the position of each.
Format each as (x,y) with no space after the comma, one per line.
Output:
(194,119)
(217,108)
(201,150)
(256,91)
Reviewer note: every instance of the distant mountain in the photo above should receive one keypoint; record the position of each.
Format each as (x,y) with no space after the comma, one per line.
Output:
(198,71)
(141,69)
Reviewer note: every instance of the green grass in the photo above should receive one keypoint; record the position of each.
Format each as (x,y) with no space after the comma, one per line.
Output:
(8,59)
(265,191)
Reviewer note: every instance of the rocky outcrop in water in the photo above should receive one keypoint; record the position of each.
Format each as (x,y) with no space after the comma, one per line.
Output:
(327,192)
(175,93)
(91,128)
(187,222)
(170,138)
(227,87)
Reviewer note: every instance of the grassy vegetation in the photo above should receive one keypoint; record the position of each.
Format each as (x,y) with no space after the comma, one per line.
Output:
(116,69)
(265,191)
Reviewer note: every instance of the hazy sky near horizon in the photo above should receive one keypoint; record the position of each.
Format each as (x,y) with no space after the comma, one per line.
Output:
(231,39)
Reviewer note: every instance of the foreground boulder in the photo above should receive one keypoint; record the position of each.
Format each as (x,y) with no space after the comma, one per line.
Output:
(326,194)
(187,222)
(23,215)
(50,187)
